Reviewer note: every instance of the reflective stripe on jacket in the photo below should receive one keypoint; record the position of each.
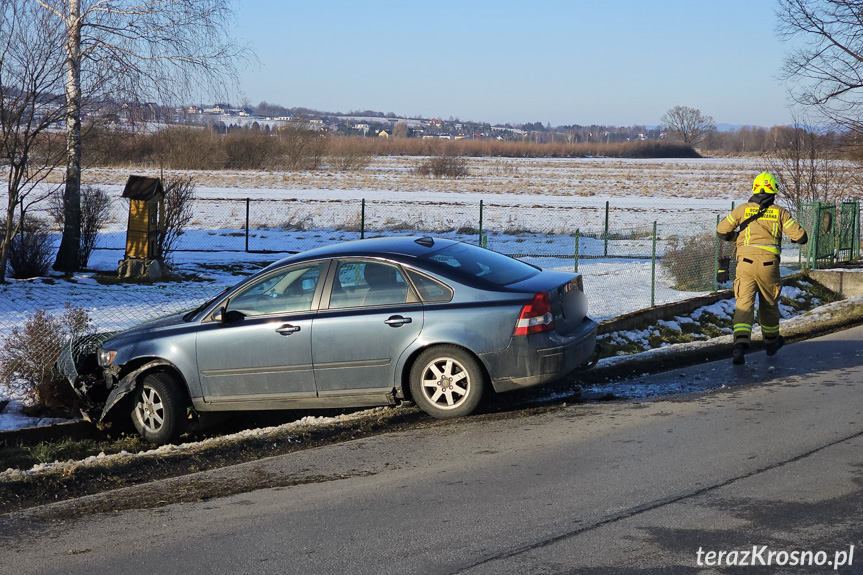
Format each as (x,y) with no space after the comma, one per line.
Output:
(765,233)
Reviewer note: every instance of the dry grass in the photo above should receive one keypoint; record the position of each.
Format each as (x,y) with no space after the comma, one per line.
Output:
(728,178)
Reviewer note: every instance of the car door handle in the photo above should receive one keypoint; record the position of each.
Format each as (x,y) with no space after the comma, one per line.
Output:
(397,321)
(288,329)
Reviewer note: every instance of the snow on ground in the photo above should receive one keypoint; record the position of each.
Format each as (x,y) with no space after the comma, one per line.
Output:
(13,416)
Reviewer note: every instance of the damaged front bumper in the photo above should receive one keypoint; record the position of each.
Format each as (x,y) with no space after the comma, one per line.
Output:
(99,390)
(78,364)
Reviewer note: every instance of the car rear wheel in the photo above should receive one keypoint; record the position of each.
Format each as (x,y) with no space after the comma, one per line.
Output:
(446,382)
(158,408)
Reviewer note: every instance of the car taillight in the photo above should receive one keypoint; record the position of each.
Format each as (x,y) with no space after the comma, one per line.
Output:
(535,316)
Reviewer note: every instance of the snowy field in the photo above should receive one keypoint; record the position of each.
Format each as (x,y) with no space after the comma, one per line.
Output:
(532,208)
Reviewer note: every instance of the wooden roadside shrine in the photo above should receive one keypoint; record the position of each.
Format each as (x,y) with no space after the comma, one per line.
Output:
(146,219)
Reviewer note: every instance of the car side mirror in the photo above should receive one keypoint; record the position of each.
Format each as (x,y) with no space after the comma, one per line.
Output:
(230,316)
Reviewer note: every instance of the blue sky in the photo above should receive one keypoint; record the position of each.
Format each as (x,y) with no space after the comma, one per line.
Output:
(612,62)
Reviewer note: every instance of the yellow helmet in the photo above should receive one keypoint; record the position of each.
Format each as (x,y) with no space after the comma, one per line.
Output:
(764,184)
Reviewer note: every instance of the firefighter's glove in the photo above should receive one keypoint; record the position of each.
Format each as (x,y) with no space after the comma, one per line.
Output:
(802,241)
(730,236)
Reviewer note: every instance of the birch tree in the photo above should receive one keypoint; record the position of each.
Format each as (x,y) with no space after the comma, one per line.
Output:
(31,105)
(134,51)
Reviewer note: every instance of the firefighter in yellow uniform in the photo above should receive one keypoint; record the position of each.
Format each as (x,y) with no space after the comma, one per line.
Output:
(757,227)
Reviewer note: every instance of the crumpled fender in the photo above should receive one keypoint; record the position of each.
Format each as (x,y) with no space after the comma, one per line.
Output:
(127,385)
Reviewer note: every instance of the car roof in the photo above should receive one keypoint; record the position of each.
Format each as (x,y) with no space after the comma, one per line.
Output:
(389,246)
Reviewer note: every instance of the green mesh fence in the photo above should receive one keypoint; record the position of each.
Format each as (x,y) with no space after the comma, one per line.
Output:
(834,233)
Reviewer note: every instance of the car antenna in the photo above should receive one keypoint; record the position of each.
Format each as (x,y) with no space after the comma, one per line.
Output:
(425,241)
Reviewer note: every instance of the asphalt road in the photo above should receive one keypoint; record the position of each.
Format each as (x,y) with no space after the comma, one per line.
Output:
(772,463)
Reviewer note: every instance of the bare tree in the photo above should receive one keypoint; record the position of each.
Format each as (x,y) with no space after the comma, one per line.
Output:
(95,213)
(828,66)
(802,163)
(134,51)
(179,195)
(401,130)
(303,146)
(31,103)
(687,124)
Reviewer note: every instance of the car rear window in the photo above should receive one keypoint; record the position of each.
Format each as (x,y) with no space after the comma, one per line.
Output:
(487,265)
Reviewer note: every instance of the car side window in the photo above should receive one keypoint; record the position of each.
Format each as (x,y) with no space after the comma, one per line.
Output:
(367,284)
(430,289)
(288,290)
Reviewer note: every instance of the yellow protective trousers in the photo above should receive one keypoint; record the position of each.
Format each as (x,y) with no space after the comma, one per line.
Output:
(757,274)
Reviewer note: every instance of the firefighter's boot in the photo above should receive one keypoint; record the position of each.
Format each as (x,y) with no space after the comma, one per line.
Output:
(774,345)
(737,356)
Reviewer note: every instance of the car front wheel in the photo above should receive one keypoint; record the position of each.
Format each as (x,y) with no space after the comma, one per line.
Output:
(159,409)
(446,382)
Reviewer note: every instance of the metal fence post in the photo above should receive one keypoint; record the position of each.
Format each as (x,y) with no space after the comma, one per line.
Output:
(577,238)
(605,234)
(855,232)
(653,270)
(363,220)
(247,225)
(812,258)
(479,243)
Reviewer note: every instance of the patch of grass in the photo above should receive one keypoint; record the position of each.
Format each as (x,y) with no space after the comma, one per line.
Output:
(171,277)
(691,328)
(26,456)
(813,294)
(516,231)
(668,335)
(711,331)
(611,348)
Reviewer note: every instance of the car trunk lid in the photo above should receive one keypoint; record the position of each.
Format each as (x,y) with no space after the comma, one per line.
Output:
(565,298)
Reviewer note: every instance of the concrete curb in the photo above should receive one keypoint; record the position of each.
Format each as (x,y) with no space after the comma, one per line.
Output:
(833,317)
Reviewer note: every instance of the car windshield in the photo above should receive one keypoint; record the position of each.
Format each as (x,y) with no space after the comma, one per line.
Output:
(481,263)
(191,314)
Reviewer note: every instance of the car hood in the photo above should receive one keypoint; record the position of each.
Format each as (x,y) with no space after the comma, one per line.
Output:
(166,321)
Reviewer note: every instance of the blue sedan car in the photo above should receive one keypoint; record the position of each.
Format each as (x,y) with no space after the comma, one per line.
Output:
(363,323)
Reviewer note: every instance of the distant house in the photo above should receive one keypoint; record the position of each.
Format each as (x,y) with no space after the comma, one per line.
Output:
(435,123)
(245,112)
(193,110)
(383,134)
